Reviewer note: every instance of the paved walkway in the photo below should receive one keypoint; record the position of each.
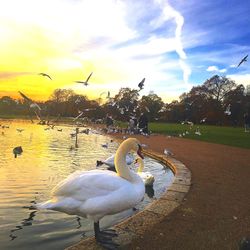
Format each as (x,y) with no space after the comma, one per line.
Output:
(216,211)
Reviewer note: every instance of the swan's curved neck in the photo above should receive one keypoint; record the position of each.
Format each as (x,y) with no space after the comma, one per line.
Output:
(121,166)
(141,165)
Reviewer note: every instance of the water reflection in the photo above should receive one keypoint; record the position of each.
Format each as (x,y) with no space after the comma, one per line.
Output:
(50,156)
(150,191)
(25,222)
(78,219)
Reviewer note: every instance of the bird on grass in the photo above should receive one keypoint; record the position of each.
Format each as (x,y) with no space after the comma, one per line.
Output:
(197,132)
(85,82)
(96,193)
(46,75)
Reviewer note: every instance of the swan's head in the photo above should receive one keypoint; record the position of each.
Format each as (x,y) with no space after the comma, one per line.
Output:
(122,169)
(135,145)
(140,162)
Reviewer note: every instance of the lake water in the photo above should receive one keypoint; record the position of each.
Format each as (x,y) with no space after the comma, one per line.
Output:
(48,157)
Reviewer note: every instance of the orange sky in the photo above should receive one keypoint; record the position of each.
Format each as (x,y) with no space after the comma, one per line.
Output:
(120,41)
(68,40)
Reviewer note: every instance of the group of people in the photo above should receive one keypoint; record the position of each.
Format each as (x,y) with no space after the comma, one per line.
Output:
(135,126)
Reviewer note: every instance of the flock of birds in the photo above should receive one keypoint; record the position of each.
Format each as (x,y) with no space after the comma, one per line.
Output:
(96,193)
(37,109)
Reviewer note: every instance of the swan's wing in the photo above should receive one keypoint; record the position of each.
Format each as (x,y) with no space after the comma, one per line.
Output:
(83,185)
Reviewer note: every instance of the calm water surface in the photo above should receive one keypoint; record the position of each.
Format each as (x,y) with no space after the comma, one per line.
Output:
(48,157)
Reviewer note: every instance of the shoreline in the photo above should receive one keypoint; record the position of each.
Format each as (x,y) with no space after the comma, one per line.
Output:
(136,225)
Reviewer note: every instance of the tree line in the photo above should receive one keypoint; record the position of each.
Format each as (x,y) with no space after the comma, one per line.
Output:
(218,101)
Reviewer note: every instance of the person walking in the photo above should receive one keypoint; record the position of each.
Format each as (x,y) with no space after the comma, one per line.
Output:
(109,121)
(143,124)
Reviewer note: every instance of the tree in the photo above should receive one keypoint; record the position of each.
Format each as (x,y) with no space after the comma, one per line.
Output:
(125,103)
(218,86)
(236,100)
(151,104)
(61,95)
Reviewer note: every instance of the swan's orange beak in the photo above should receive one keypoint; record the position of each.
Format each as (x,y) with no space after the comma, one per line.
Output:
(139,151)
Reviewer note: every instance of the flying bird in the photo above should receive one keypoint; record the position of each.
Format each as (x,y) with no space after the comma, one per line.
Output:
(243,60)
(32,104)
(228,111)
(19,130)
(85,82)
(141,84)
(81,113)
(46,75)
(36,108)
(24,96)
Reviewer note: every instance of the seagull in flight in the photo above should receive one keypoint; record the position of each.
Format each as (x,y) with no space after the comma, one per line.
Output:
(141,84)
(32,104)
(81,113)
(242,60)
(85,82)
(46,75)
(228,111)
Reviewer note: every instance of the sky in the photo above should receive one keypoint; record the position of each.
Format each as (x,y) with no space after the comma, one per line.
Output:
(174,44)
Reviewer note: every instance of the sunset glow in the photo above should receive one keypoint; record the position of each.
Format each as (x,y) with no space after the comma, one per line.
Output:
(121,42)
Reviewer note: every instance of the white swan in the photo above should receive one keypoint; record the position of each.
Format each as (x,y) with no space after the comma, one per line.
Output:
(96,193)
(147,177)
(110,161)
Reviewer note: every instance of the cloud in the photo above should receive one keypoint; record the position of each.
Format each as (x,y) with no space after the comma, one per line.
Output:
(243,79)
(169,13)
(215,69)
(7,75)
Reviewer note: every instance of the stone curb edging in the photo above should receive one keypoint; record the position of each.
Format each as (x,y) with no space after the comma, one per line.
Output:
(155,212)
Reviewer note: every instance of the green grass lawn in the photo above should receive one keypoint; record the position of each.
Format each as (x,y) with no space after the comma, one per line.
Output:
(221,135)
